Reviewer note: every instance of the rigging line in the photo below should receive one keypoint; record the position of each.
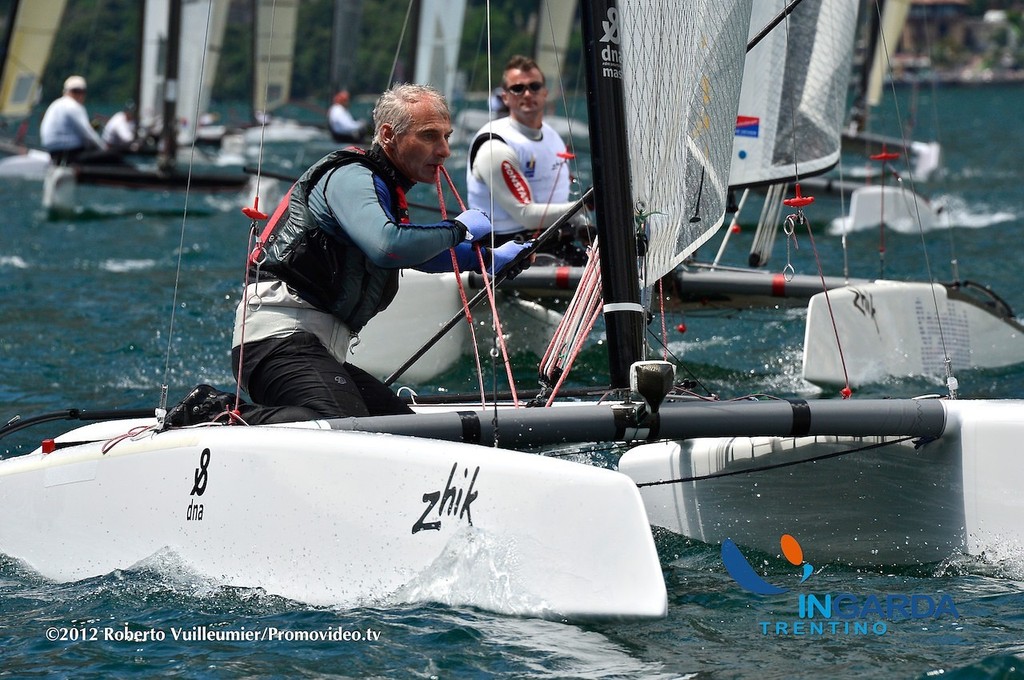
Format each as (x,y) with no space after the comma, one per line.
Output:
(838,112)
(401,41)
(498,278)
(951,381)
(845,391)
(489,286)
(933,82)
(162,406)
(266,96)
(458,279)
(254,244)
(86,56)
(766,468)
(570,145)
(498,336)
(776,20)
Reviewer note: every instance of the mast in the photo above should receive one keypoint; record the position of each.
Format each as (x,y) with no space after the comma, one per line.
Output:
(344,39)
(169,132)
(141,130)
(623,313)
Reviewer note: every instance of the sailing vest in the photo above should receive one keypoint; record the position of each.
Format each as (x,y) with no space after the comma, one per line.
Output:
(539,163)
(331,275)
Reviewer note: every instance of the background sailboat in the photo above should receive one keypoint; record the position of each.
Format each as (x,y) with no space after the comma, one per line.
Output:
(29,31)
(174,73)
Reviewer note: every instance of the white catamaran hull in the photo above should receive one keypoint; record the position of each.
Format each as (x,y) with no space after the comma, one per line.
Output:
(425,303)
(889,328)
(898,208)
(847,499)
(333,517)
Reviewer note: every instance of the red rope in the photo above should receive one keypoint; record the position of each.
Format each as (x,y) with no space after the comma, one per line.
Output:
(458,282)
(490,296)
(846,391)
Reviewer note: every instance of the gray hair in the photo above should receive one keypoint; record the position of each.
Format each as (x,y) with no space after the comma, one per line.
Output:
(394,107)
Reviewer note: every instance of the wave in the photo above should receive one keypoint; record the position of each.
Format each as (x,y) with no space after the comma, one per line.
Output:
(15,261)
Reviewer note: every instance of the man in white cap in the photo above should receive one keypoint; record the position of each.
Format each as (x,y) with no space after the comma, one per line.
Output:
(65,130)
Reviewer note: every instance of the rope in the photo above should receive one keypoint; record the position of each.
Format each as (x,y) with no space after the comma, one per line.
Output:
(582,313)
(458,280)
(766,468)
(161,410)
(254,247)
(951,382)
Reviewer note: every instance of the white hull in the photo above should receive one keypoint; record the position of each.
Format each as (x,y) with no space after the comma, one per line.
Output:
(331,517)
(283,131)
(889,328)
(59,188)
(893,505)
(900,209)
(425,302)
(30,165)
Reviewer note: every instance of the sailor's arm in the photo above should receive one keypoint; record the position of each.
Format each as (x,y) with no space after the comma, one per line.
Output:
(497,166)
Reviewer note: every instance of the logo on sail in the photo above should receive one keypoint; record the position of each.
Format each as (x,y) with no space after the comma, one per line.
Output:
(748,126)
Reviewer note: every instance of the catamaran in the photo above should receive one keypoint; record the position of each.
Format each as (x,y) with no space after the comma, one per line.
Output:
(360,510)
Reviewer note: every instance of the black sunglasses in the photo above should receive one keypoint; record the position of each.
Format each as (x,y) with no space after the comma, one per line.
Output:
(520,88)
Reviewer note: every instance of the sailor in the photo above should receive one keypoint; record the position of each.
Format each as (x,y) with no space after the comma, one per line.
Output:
(343,127)
(517,170)
(65,131)
(332,256)
(119,131)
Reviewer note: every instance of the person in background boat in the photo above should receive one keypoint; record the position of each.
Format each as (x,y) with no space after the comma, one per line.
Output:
(331,258)
(65,131)
(343,127)
(119,132)
(517,171)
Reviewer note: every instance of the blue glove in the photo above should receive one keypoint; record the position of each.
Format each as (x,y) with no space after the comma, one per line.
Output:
(504,254)
(476,223)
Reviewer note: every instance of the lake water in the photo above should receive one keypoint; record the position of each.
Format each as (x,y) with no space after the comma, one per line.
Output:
(86,309)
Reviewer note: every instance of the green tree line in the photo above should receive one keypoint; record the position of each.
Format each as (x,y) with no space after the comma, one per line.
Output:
(99,39)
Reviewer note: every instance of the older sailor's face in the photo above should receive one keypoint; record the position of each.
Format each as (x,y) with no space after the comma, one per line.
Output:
(420,151)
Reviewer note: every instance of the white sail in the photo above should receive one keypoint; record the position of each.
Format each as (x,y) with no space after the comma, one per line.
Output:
(793,100)
(682,72)
(437,48)
(31,29)
(203,23)
(273,53)
(554,28)
(894,15)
